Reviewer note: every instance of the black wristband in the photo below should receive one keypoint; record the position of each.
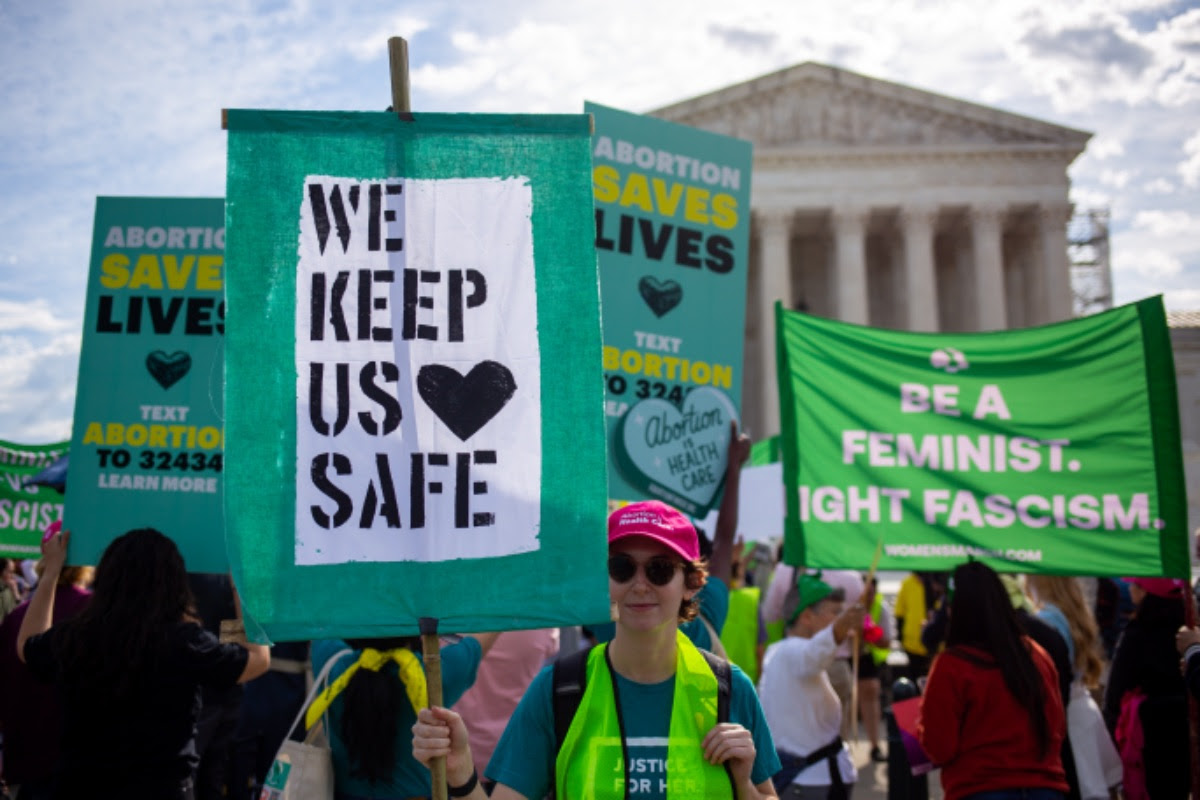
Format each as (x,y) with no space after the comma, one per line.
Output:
(466,788)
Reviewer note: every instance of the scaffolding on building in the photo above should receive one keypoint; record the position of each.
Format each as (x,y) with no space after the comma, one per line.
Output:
(1091,271)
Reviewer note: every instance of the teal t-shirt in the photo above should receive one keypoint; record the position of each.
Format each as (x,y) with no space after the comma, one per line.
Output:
(713,599)
(409,778)
(524,759)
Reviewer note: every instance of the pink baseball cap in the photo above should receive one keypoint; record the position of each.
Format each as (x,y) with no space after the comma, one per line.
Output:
(1163,587)
(658,521)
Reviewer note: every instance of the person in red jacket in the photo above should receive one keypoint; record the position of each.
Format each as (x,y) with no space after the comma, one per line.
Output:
(991,715)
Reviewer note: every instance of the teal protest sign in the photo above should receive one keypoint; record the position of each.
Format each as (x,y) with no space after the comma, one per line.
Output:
(25,511)
(413,386)
(146,446)
(672,240)
(1048,450)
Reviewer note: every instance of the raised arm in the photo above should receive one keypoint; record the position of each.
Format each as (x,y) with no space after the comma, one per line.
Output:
(40,615)
(720,564)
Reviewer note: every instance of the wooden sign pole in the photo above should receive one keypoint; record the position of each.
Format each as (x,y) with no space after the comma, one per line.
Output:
(856,646)
(431,650)
(398,63)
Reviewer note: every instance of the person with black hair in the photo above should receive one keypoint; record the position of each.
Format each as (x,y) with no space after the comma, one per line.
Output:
(992,714)
(372,702)
(1146,691)
(130,667)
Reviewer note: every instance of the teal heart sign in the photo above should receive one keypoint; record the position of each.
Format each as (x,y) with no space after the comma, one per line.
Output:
(677,454)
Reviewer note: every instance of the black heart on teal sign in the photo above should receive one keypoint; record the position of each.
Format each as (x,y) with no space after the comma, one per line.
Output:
(677,454)
(166,368)
(660,296)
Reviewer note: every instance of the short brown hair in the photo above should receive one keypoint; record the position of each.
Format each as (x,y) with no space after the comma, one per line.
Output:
(695,575)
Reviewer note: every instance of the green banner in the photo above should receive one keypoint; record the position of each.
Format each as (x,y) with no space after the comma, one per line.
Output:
(672,239)
(25,511)
(146,446)
(1049,450)
(413,385)
(765,451)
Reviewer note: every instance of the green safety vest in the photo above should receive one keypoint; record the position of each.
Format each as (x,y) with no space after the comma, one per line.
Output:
(740,634)
(590,763)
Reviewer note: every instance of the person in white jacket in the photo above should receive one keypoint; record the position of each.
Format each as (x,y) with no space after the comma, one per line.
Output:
(801,707)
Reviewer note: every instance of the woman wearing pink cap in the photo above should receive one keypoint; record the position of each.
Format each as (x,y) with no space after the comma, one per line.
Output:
(646,723)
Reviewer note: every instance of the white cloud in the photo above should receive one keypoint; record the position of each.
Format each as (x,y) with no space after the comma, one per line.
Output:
(37,386)
(1080,54)
(1116,178)
(1158,186)
(34,317)
(1103,147)
(1167,223)
(1182,299)
(1084,197)
(373,45)
(1153,264)
(1190,167)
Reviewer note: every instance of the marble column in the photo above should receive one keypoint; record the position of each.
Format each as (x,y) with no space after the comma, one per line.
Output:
(775,283)
(991,313)
(1057,302)
(850,244)
(919,223)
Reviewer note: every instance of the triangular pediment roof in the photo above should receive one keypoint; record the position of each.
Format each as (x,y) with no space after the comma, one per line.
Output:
(819,106)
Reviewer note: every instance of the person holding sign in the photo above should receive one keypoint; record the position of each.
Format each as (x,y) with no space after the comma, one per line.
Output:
(646,700)
(130,666)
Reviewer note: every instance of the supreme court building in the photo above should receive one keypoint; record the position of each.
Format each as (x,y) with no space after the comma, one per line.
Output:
(890,206)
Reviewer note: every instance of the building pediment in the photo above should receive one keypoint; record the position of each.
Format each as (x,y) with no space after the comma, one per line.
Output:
(821,107)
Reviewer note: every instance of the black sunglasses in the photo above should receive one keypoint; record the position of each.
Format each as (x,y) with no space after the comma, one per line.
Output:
(659,569)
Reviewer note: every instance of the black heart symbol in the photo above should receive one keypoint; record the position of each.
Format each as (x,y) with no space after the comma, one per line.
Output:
(660,296)
(168,369)
(466,404)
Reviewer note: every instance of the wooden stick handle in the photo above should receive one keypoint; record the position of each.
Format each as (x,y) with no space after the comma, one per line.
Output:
(855,655)
(431,652)
(398,64)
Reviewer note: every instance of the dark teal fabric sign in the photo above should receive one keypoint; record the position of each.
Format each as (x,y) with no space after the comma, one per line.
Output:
(413,383)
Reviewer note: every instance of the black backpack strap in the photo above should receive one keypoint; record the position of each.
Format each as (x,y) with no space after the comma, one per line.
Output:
(569,680)
(724,675)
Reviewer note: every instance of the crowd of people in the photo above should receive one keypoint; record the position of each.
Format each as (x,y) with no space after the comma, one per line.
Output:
(721,674)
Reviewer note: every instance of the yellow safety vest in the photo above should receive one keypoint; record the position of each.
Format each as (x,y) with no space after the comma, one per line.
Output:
(740,634)
(591,764)
(878,654)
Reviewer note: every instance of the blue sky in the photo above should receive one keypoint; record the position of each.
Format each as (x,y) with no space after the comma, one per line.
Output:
(124,97)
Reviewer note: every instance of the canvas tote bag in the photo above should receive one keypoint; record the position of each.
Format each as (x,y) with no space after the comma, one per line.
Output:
(304,770)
